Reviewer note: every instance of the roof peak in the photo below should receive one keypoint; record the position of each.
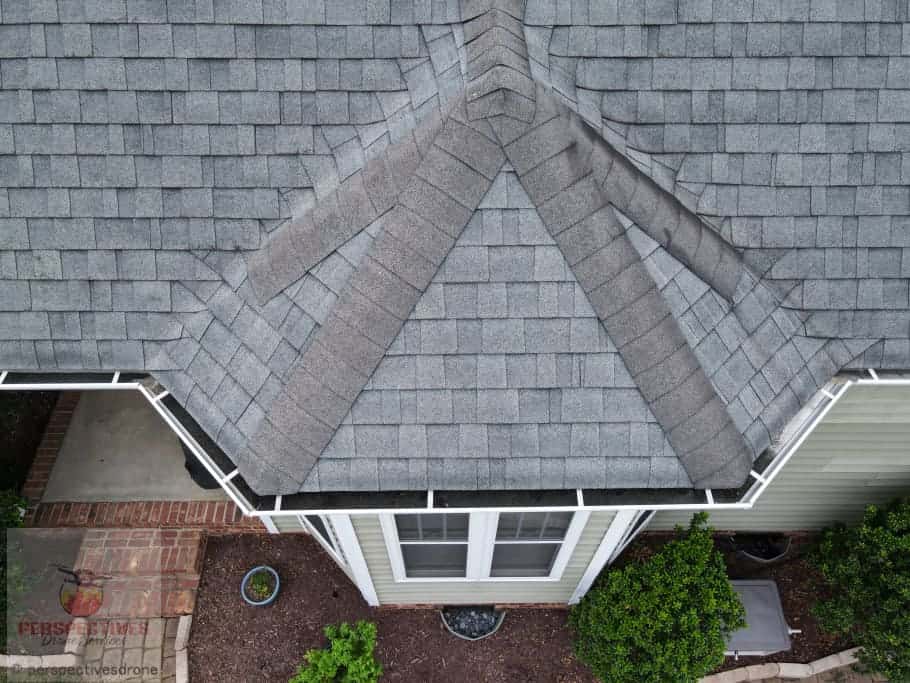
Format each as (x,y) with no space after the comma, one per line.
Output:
(574,184)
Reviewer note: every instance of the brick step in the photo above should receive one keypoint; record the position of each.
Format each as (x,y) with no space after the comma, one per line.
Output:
(212,515)
(146,572)
(141,552)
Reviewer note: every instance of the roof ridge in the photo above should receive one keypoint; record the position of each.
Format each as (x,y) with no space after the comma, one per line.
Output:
(478,368)
(359,200)
(399,265)
(444,188)
(442,182)
(574,199)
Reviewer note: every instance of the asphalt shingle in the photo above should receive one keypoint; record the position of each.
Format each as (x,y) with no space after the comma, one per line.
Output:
(752,171)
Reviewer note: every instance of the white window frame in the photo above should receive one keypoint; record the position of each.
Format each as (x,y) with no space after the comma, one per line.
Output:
(334,548)
(482,527)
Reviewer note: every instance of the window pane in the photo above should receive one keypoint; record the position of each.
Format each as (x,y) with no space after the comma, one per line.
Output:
(523,559)
(435,560)
(456,527)
(557,525)
(508,525)
(408,529)
(531,525)
(432,527)
(317,523)
(549,526)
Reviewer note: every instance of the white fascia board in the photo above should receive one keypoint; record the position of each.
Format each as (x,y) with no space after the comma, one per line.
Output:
(199,452)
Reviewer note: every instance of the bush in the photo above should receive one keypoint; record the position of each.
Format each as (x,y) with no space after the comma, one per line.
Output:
(12,509)
(663,620)
(868,570)
(348,658)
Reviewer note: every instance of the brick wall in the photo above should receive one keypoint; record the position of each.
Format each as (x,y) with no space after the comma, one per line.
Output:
(46,456)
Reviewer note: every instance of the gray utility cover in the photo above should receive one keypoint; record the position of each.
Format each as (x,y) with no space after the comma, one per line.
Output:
(767,631)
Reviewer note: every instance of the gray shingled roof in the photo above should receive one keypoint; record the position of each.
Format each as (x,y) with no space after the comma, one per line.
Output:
(368,245)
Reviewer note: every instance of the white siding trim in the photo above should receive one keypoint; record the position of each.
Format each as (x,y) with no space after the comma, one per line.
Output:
(269,524)
(611,540)
(350,546)
(632,532)
(481,535)
(573,534)
(393,546)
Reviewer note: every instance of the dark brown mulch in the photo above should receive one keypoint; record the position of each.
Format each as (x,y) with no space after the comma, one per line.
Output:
(233,642)
(799,585)
(23,417)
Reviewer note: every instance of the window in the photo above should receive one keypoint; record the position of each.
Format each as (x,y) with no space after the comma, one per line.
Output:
(481,546)
(527,542)
(433,545)
(324,532)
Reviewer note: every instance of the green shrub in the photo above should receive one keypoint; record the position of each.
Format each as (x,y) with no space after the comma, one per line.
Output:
(868,570)
(348,658)
(12,509)
(662,620)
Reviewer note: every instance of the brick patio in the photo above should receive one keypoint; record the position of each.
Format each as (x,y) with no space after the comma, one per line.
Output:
(154,572)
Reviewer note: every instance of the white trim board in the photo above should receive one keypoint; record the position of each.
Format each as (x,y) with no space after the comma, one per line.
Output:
(623,520)
(350,546)
(269,525)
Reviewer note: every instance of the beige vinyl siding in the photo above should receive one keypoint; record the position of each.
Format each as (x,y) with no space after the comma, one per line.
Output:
(288,524)
(859,454)
(376,555)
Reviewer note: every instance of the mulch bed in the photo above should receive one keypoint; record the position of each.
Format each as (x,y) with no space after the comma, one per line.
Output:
(799,586)
(233,642)
(23,417)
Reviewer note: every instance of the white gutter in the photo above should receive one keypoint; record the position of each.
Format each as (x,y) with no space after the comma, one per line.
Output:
(792,445)
(499,508)
(196,449)
(69,386)
(832,392)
